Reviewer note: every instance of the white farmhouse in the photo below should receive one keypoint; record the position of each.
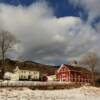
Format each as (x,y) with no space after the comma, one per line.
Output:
(22,74)
(27,74)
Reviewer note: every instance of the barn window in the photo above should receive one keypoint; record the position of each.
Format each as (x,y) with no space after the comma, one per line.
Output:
(73,79)
(71,75)
(75,75)
(79,78)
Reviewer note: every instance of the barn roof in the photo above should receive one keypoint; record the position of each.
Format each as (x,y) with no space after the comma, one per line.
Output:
(77,68)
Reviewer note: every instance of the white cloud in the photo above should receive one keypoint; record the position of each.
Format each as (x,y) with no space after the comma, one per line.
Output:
(98,27)
(44,37)
(91,7)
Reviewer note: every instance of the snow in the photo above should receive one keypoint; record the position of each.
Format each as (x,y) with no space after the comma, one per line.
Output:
(83,93)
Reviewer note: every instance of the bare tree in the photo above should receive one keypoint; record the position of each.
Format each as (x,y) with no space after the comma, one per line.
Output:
(90,59)
(7,40)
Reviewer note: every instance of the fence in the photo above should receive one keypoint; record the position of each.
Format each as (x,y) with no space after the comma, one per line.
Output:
(39,85)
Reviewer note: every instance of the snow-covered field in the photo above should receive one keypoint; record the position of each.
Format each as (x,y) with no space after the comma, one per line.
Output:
(83,93)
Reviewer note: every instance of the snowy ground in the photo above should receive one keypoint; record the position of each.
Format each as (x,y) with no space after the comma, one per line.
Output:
(83,93)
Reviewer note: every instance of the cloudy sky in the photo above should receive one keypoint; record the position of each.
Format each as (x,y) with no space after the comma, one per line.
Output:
(52,31)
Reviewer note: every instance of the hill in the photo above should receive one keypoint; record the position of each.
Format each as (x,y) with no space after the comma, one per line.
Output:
(10,65)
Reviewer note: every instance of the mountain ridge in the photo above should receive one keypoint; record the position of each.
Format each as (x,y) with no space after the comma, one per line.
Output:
(10,65)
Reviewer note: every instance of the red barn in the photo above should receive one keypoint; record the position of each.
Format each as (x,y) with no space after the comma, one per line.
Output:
(71,73)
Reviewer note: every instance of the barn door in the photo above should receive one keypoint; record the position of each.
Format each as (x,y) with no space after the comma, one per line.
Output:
(62,78)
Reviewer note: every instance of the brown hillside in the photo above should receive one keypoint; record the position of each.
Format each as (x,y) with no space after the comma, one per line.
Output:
(29,65)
